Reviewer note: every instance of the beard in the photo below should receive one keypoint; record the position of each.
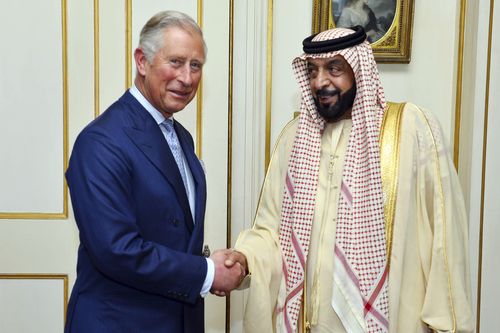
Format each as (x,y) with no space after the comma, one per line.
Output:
(333,112)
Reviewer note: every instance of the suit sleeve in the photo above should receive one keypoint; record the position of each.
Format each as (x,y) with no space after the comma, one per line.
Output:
(99,177)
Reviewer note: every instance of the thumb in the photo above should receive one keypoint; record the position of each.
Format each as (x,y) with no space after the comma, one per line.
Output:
(231,259)
(229,262)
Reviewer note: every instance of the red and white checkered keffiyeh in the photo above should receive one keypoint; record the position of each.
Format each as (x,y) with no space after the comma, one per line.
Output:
(360,250)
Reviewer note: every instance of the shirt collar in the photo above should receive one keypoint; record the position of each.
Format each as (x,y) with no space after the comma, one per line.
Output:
(157,115)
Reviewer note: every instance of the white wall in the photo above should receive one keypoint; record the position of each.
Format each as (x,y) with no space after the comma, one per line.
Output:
(484,165)
(38,236)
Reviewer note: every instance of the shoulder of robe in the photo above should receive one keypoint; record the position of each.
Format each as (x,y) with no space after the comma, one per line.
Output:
(287,132)
(424,125)
(413,113)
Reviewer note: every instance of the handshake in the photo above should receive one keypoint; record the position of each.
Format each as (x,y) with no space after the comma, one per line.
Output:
(230,270)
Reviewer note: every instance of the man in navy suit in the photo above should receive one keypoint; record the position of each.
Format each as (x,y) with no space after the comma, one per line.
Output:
(138,194)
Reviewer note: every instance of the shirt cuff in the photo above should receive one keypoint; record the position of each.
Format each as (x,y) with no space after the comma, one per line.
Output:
(209,279)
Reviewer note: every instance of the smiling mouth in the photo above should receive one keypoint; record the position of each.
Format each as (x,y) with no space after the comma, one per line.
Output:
(327,99)
(327,96)
(180,94)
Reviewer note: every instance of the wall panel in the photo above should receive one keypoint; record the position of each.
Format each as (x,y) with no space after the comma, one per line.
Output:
(490,216)
(288,33)
(112,75)
(33,303)
(248,124)
(214,138)
(33,110)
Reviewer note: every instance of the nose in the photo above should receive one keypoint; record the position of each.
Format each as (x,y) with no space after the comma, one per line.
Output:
(185,76)
(322,79)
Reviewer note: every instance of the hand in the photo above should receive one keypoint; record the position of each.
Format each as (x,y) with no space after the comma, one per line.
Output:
(236,257)
(226,278)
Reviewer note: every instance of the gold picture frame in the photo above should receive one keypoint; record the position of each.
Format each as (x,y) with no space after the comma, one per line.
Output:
(391,39)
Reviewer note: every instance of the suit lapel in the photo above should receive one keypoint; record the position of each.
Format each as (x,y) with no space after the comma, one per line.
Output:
(148,137)
(196,171)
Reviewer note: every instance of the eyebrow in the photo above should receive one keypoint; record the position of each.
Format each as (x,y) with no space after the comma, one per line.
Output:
(336,61)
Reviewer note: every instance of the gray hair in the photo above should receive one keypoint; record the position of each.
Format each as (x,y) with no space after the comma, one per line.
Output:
(151,38)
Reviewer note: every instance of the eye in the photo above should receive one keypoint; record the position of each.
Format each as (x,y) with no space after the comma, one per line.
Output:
(312,71)
(196,66)
(175,62)
(336,70)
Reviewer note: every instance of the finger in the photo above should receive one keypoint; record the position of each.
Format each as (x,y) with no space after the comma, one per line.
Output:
(219,293)
(232,258)
(243,271)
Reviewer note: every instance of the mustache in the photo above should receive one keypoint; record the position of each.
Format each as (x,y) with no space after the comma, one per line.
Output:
(327,92)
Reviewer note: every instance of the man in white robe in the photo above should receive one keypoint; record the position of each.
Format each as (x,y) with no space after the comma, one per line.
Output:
(380,244)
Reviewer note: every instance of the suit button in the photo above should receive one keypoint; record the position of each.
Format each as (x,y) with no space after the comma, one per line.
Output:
(175,222)
(206,251)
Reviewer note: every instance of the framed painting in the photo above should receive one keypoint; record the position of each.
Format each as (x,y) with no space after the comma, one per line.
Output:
(388,24)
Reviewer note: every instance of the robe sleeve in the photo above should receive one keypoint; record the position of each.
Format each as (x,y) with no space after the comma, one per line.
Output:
(442,234)
(260,244)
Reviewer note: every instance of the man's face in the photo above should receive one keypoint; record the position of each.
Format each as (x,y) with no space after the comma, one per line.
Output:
(171,80)
(332,85)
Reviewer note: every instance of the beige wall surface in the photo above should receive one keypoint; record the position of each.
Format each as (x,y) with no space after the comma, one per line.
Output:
(69,60)
(483,164)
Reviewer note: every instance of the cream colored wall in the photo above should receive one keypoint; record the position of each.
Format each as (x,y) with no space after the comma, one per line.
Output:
(37,243)
(38,237)
(482,167)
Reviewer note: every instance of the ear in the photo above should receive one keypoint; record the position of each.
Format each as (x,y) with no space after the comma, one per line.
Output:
(140,61)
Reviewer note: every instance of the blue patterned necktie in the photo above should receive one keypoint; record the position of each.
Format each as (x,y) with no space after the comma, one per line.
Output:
(175,147)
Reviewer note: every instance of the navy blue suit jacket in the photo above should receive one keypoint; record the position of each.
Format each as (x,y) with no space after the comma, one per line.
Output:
(140,265)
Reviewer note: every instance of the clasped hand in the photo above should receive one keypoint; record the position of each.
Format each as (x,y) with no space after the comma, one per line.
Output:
(230,270)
